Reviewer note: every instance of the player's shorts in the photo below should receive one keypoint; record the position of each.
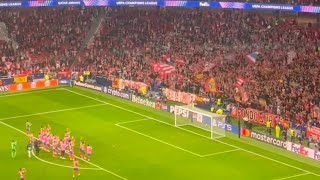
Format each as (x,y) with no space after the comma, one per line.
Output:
(82,151)
(75,169)
(89,155)
(21,178)
(28,129)
(13,150)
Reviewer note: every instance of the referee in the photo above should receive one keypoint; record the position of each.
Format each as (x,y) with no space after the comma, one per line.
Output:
(36,147)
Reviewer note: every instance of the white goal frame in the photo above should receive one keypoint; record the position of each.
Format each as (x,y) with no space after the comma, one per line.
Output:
(192,116)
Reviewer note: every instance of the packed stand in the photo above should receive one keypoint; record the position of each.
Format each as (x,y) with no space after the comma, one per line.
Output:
(47,37)
(284,80)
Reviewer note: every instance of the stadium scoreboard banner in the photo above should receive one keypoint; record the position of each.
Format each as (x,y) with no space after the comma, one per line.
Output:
(216,5)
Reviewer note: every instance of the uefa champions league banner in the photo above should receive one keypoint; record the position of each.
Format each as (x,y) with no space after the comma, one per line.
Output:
(160,3)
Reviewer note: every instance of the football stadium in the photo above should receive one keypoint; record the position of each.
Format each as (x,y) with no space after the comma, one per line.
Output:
(160,90)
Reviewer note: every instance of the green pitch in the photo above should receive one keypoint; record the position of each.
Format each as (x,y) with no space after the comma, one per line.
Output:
(132,142)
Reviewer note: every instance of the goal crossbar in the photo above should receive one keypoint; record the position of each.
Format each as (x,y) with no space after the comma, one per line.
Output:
(196,117)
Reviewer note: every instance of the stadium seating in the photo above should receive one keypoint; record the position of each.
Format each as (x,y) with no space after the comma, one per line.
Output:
(283,80)
(127,47)
(47,36)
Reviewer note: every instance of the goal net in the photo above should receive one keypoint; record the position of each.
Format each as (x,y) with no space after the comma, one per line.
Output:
(192,116)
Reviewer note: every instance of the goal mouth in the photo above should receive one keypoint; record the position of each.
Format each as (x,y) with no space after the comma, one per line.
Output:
(189,116)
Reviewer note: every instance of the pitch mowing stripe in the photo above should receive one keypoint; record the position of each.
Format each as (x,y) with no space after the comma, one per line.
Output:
(298,175)
(119,107)
(50,112)
(103,169)
(145,135)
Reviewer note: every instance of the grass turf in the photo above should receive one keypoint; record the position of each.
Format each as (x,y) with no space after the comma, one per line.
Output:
(140,150)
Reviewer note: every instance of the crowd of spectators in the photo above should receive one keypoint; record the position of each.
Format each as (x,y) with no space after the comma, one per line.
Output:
(45,36)
(285,79)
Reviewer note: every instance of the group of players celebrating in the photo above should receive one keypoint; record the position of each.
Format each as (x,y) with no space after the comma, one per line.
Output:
(52,143)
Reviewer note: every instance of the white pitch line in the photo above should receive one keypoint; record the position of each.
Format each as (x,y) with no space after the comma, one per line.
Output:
(49,112)
(64,166)
(23,93)
(222,152)
(103,169)
(145,135)
(265,157)
(298,175)
(144,119)
(127,122)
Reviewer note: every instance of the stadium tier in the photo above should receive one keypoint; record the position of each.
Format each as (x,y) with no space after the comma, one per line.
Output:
(126,92)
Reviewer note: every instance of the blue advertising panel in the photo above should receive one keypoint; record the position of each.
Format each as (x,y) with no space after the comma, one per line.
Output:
(190,4)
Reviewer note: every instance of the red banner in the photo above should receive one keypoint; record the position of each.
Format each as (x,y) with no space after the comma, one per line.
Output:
(256,116)
(131,84)
(211,85)
(183,97)
(314,132)
(64,74)
(32,85)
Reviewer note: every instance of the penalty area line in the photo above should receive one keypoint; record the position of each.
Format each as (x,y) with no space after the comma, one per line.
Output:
(158,140)
(103,169)
(225,143)
(297,175)
(222,152)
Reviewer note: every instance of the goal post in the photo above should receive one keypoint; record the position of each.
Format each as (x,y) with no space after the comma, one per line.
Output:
(192,116)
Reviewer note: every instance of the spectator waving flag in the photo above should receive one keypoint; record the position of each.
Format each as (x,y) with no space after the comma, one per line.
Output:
(8,64)
(167,58)
(163,69)
(252,57)
(208,66)
(240,81)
